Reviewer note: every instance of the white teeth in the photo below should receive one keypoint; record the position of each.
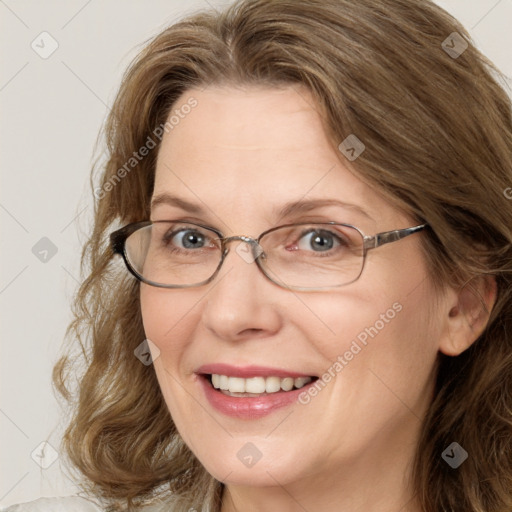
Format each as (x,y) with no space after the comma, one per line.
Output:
(223,382)
(287,384)
(254,385)
(301,381)
(236,385)
(257,385)
(272,384)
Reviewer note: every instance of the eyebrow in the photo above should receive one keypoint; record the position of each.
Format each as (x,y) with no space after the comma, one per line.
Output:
(292,207)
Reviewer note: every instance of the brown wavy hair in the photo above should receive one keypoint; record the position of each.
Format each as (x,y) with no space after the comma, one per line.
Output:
(438,137)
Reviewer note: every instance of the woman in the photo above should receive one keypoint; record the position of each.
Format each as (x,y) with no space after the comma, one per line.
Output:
(311,200)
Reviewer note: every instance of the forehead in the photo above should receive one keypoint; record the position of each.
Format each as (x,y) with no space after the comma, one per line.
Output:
(243,153)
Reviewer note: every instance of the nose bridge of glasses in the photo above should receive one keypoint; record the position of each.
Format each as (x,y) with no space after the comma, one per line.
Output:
(244,238)
(255,248)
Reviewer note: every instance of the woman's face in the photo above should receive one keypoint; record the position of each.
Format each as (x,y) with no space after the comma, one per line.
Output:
(239,156)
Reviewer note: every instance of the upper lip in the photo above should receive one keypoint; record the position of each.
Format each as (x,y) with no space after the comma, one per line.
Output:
(248,371)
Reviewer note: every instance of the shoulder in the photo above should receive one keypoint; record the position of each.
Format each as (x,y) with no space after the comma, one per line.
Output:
(61,504)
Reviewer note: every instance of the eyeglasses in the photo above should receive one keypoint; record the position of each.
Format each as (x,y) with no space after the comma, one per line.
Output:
(302,257)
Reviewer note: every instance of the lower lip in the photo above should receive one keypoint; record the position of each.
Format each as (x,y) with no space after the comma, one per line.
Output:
(249,407)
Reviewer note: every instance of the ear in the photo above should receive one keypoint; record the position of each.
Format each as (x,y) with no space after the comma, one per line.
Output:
(467,313)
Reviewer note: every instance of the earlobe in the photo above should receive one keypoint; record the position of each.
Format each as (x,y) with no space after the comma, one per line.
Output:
(467,314)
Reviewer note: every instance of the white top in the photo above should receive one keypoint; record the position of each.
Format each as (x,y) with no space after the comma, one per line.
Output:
(61,504)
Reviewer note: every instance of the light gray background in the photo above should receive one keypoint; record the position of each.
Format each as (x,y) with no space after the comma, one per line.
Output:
(51,112)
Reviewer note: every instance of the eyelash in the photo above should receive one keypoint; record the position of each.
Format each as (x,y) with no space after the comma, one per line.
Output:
(342,243)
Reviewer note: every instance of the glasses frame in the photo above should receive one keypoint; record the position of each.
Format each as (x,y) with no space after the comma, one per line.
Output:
(118,244)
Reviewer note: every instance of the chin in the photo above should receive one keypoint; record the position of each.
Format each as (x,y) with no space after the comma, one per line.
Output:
(265,476)
(245,465)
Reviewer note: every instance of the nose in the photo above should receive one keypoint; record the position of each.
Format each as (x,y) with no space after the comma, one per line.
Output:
(241,301)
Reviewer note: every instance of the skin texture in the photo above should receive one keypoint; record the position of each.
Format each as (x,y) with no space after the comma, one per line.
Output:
(241,154)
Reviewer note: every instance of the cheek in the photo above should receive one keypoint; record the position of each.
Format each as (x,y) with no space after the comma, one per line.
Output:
(345,321)
(168,319)
(382,334)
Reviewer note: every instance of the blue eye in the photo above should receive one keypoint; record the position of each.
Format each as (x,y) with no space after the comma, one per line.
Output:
(318,241)
(186,239)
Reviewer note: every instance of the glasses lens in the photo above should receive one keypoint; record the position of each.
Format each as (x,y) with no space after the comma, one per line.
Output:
(173,253)
(313,255)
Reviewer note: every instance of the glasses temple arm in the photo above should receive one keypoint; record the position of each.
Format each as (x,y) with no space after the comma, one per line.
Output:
(371,242)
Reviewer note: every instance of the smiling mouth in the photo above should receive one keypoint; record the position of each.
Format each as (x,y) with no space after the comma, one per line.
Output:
(255,386)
